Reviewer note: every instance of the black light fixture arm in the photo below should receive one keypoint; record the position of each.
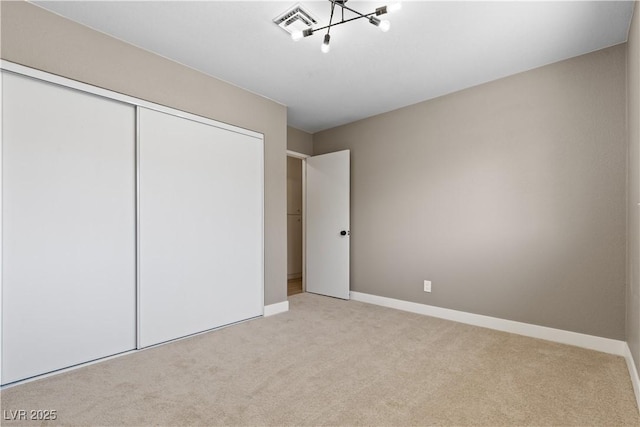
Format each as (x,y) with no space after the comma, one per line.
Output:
(333,6)
(343,22)
(344,6)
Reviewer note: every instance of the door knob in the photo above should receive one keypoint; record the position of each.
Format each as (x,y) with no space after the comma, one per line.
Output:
(344,233)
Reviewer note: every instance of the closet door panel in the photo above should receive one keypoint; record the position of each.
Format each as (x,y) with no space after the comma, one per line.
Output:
(68,218)
(200,229)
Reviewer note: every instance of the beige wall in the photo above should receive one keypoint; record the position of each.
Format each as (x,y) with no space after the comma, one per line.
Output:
(299,141)
(37,38)
(509,196)
(633,217)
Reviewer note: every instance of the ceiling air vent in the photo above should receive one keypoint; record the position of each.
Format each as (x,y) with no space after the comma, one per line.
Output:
(296,18)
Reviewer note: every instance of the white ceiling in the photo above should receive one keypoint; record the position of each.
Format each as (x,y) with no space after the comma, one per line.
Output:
(433,48)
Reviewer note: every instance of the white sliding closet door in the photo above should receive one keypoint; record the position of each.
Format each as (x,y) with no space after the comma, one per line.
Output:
(68,220)
(200,227)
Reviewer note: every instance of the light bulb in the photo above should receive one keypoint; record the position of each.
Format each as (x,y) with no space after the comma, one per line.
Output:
(394,7)
(296,35)
(384,26)
(325,48)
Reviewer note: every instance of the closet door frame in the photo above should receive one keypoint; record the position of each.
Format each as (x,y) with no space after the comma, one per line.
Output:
(7,66)
(105,93)
(156,288)
(69,227)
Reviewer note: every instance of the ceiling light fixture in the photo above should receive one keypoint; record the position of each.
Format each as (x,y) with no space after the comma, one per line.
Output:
(384,25)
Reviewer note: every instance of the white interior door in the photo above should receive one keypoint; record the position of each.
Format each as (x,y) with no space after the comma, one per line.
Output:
(68,220)
(327,225)
(201,227)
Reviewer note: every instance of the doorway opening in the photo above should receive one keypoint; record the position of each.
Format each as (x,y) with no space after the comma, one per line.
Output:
(295,224)
(318,217)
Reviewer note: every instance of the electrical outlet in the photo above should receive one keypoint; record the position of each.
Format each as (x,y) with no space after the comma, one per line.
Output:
(427,285)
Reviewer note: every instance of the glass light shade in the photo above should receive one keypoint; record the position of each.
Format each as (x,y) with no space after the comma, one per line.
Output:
(325,47)
(394,7)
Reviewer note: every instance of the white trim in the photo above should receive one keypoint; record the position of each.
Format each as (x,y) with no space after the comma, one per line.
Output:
(277,308)
(137,237)
(291,153)
(1,219)
(67,369)
(591,342)
(95,90)
(262,223)
(633,373)
(304,224)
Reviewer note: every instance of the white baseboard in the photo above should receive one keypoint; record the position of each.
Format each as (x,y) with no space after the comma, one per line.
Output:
(605,345)
(633,373)
(68,369)
(591,342)
(277,308)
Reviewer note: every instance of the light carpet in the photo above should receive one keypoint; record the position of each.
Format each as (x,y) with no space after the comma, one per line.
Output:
(333,362)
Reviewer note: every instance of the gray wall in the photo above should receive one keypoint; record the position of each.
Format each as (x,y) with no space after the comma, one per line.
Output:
(37,38)
(633,253)
(509,196)
(299,141)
